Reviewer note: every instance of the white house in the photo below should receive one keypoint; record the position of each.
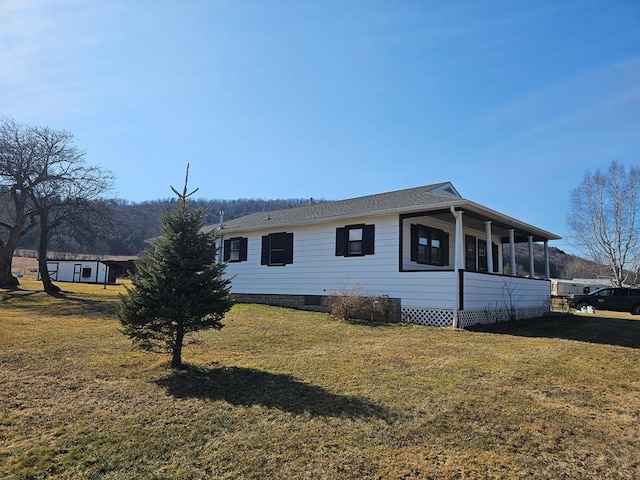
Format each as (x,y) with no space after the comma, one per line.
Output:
(434,254)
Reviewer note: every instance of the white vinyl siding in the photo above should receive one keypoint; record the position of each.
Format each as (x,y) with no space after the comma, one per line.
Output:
(482,290)
(316,270)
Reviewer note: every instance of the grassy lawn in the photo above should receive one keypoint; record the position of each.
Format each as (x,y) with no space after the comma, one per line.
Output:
(287,394)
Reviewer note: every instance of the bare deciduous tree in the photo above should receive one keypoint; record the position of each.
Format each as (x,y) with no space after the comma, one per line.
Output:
(18,152)
(50,186)
(66,196)
(603,219)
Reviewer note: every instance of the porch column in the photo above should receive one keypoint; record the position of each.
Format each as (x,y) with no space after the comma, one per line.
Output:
(459,241)
(547,269)
(487,227)
(512,249)
(532,273)
(458,262)
(459,226)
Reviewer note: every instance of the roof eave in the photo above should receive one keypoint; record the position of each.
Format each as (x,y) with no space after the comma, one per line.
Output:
(506,219)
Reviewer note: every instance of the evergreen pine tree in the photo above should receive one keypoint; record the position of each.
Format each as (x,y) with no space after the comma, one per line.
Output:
(178,288)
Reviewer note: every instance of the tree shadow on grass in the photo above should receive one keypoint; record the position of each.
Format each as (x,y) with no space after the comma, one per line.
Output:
(247,387)
(71,303)
(9,294)
(593,329)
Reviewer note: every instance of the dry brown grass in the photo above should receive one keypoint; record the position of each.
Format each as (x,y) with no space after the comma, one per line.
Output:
(286,394)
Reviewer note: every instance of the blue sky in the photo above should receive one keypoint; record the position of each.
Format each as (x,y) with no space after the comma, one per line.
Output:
(511,101)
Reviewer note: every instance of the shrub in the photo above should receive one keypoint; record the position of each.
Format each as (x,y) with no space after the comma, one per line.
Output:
(353,304)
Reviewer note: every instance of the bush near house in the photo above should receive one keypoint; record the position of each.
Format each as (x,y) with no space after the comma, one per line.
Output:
(354,304)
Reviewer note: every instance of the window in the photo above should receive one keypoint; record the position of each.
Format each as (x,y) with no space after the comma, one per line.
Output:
(429,246)
(471,250)
(277,249)
(86,272)
(355,240)
(482,255)
(605,292)
(235,249)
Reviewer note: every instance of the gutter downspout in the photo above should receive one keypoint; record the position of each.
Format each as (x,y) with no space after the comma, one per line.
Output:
(221,238)
(457,262)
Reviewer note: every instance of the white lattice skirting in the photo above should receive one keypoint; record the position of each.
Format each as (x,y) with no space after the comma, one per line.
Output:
(466,318)
(427,316)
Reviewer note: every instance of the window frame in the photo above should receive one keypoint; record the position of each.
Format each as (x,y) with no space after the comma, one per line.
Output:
(429,245)
(242,243)
(276,244)
(345,247)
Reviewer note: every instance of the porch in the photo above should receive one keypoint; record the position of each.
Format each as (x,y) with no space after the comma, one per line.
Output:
(477,298)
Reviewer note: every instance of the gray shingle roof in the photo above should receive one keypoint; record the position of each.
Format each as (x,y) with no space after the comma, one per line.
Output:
(436,194)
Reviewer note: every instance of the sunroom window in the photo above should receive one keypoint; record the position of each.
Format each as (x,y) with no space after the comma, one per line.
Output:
(429,245)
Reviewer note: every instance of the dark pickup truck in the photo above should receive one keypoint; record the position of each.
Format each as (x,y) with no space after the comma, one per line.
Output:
(617,299)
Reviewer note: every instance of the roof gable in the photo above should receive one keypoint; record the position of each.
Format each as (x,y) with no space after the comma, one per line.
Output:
(447,189)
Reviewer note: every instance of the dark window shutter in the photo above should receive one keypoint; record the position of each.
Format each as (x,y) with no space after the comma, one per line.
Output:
(264,260)
(288,249)
(341,242)
(243,249)
(445,248)
(414,242)
(226,252)
(368,239)
(494,248)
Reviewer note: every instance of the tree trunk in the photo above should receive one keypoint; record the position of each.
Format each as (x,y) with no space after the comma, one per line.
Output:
(47,284)
(7,280)
(176,360)
(21,225)
(43,243)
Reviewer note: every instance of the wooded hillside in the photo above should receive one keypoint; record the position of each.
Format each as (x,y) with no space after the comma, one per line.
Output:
(132,224)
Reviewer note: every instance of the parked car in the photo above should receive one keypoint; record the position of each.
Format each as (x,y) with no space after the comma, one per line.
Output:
(617,299)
